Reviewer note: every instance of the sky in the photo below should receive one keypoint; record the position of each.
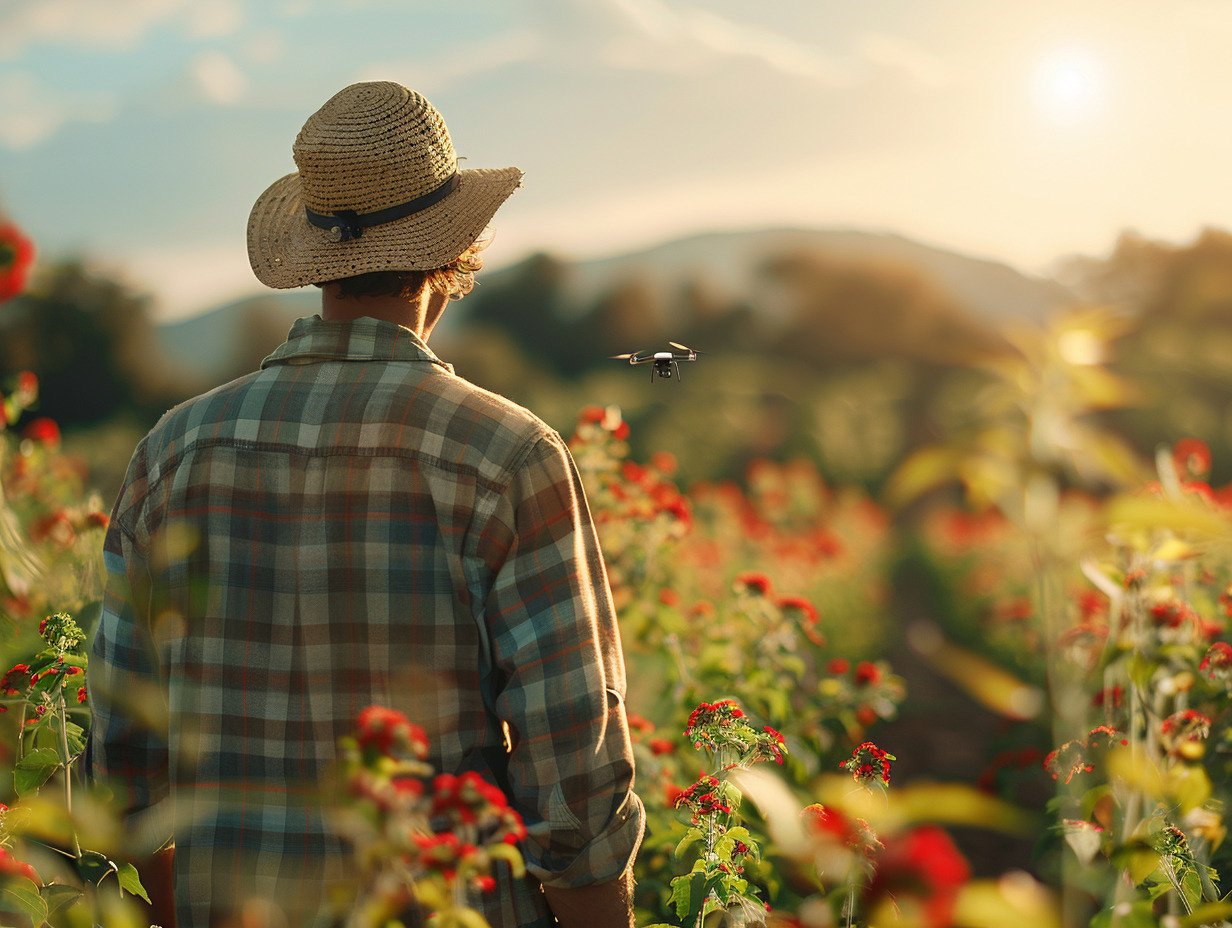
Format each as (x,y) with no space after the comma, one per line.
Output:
(138,133)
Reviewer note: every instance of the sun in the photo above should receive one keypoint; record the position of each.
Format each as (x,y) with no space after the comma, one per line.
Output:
(1069,85)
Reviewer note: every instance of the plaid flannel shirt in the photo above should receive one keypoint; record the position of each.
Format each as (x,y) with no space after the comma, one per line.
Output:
(355,524)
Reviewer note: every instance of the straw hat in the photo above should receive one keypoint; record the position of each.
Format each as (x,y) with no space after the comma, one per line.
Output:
(378,189)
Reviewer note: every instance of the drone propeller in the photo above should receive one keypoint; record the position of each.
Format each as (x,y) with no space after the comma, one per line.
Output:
(681,347)
(630,356)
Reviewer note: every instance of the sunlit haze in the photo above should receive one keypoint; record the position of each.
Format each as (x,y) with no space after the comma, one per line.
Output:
(141,135)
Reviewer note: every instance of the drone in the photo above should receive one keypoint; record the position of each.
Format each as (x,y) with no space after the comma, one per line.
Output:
(664,361)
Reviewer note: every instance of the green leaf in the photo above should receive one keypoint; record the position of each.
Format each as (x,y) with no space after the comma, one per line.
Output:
(691,837)
(76,738)
(681,895)
(93,867)
(131,881)
(33,770)
(59,896)
(734,797)
(1191,885)
(21,896)
(688,894)
(724,847)
(1207,914)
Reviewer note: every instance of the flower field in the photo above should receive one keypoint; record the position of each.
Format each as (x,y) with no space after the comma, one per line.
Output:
(1080,598)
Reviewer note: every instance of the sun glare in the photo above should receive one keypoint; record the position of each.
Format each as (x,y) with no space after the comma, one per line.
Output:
(1069,85)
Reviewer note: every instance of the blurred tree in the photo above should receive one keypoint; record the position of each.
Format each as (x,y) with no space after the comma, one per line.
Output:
(261,327)
(1179,353)
(528,306)
(90,341)
(846,310)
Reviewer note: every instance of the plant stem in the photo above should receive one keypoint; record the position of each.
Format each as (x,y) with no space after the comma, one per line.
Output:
(62,711)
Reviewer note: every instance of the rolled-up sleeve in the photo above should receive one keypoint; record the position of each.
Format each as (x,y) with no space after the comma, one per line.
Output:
(560,675)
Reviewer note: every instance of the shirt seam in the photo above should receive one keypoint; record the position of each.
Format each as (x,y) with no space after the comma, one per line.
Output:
(168,467)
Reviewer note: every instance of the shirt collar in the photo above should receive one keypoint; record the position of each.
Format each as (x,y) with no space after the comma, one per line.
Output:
(365,339)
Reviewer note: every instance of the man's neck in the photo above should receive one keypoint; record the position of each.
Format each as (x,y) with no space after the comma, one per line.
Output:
(419,314)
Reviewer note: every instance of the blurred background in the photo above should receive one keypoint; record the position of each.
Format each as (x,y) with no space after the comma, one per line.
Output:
(841,204)
(855,211)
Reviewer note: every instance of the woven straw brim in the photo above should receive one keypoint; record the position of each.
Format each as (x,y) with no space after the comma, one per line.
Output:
(286,250)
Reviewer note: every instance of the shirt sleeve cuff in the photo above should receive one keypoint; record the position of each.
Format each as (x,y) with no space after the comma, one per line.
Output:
(603,859)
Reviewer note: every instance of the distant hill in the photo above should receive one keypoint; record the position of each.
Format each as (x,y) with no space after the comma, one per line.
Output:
(731,262)
(227,340)
(210,345)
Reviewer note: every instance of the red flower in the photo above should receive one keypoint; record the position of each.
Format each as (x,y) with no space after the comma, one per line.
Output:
(756,583)
(16,256)
(1070,759)
(1112,695)
(1182,733)
(1172,613)
(638,723)
(44,431)
(868,763)
(591,414)
(1192,457)
(1105,736)
(81,694)
(384,729)
(55,527)
(1092,604)
(678,508)
(17,670)
(805,607)
(823,820)
(838,666)
(27,386)
(921,872)
(867,674)
(669,597)
(1218,659)
(664,462)
(660,746)
(14,867)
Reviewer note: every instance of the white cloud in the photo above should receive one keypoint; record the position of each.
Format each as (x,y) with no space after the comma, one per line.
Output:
(459,63)
(215,18)
(218,77)
(114,24)
(664,39)
(34,112)
(265,47)
(111,24)
(898,54)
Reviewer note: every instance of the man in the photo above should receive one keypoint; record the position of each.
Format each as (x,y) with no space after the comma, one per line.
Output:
(354,524)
